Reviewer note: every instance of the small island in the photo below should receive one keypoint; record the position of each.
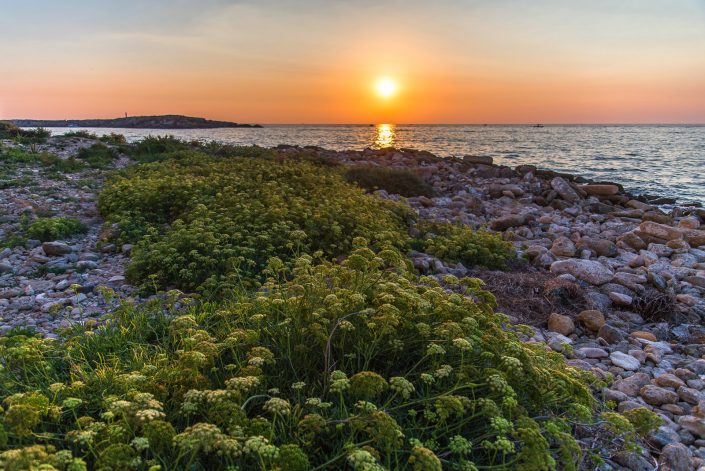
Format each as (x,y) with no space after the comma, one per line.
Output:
(134,122)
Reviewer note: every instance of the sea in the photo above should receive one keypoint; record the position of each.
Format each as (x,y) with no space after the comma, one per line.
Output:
(663,160)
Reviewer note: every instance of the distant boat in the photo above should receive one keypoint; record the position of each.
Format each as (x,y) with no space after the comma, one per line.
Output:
(538,125)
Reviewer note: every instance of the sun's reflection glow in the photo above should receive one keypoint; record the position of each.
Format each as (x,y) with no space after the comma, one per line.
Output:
(386,136)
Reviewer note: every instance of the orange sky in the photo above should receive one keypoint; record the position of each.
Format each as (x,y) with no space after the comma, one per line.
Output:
(315,61)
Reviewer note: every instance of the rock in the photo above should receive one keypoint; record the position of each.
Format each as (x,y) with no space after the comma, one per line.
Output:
(663,436)
(631,385)
(592,352)
(640,334)
(668,380)
(660,231)
(591,319)
(83,265)
(692,424)
(602,247)
(505,222)
(620,299)
(676,457)
(5,267)
(610,334)
(563,247)
(690,222)
(587,270)
(478,159)
(562,324)
(689,395)
(632,461)
(687,299)
(56,248)
(600,190)
(657,396)
(698,281)
(564,189)
(625,361)
(695,238)
(632,240)
(697,366)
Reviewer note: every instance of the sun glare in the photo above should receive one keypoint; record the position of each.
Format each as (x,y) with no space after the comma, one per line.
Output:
(386,87)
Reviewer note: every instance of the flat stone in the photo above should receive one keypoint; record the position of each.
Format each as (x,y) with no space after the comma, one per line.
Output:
(632,461)
(600,189)
(689,395)
(587,270)
(506,222)
(592,352)
(669,380)
(676,457)
(625,361)
(656,396)
(660,231)
(56,248)
(692,424)
(621,299)
(631,385)
(640,334)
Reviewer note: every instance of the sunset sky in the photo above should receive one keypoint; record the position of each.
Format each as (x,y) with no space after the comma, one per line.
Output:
(320,61)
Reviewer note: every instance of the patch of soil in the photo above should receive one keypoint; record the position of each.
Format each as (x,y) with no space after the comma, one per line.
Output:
(531,296)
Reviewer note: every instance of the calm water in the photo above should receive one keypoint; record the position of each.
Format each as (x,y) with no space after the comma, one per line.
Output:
(664,160)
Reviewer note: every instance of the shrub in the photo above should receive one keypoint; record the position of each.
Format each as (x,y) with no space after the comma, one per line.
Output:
(392,180)
(354,363)
(455,243)
(55,228)
(9,130)
(13,156)
(155,148)
(196,219)
(80,133)
(97,156)
(114,139)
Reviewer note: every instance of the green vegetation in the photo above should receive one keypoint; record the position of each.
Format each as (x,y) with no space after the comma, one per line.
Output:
(394,181)
(199,222)
(81,133)
(97,156)
(12,157)
(455,243)
(358,365)
(55,228)
(114,139)
(25,136)
(154,148)
(320,347)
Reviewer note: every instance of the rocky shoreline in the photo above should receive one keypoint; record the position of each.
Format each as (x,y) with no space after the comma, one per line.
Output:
(622,282)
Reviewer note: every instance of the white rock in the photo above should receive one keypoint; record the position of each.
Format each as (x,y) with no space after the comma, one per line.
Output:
(625,361)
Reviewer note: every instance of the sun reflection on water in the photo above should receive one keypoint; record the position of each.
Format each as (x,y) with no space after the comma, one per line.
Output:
(385,136)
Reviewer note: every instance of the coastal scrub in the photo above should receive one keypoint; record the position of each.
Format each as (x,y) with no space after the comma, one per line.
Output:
(358,363)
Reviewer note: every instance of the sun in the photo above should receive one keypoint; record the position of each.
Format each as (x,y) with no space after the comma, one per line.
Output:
(386,87)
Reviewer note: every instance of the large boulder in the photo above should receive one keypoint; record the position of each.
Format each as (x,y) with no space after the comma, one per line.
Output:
(589,271)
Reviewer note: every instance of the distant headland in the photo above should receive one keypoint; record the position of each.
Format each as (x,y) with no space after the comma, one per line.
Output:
(135,122)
